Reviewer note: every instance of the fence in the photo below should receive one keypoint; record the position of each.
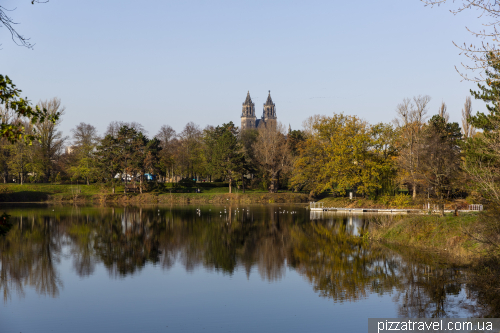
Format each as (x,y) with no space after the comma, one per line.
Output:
(475,207)
(316,205)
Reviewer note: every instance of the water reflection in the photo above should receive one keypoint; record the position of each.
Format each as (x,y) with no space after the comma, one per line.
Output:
(328,250)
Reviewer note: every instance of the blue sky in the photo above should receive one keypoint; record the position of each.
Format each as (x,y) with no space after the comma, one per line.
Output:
(171,62)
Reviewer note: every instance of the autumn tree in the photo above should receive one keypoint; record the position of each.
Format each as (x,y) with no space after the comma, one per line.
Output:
(385,151)
(341,154)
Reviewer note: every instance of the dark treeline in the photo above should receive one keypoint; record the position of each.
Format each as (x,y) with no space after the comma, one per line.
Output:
(260,240)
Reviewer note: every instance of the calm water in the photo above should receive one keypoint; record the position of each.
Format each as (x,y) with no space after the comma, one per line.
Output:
(271,268)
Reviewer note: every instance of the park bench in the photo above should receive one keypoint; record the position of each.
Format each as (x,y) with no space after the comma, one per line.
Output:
(131,188)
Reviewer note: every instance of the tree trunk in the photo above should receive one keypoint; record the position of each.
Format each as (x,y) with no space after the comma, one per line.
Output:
(414,190)
(21,178)
(243,182)
(140,184)
(230,189)
(88,181)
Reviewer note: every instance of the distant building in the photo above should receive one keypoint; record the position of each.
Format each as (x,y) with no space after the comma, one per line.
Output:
(248,118)
(70,149)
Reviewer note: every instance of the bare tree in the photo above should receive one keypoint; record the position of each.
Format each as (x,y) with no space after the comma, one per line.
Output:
(114,127)
(272,153)
(443,113)
(165,135)
(191,141)
(9,23)
(468,130)
(490,35)
(84,135)
(51,140)
(411,115)
(308,124)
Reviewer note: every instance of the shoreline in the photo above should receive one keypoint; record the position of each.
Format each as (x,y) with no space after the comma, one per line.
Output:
(154,198)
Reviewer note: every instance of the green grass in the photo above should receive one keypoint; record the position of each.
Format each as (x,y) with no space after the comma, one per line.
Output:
(448,234)
(100,192)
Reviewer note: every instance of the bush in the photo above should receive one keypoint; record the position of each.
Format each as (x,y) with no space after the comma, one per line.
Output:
(401,201)
(186,182)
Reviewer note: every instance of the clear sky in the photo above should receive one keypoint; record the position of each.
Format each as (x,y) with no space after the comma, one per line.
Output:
(170,62)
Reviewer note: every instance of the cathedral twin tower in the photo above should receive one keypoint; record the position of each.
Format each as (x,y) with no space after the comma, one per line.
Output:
(248,119)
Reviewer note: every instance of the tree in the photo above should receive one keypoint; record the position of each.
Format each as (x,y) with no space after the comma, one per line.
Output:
(152,157)
(443,113)
(409,122)
(7,22)
(385,151)
(168,141)
(479,55)
(19,160)
(440,164)
(126,141)
(191,157)
(272,154)
(225,158)
(50,141)
(468,131)
(482,152)
(85,141)
(19,110)
(108,159)
(340,155)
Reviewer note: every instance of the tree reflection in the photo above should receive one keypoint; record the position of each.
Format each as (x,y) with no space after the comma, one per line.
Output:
(29,255)
(328,251)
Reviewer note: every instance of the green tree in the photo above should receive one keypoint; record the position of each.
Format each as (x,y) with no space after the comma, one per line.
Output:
(84,145)
(482,151)
(225,158)
(14,128)
(19,160)
(441,162)
(108,159)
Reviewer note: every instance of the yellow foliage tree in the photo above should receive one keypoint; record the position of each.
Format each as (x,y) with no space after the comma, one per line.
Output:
(341,153)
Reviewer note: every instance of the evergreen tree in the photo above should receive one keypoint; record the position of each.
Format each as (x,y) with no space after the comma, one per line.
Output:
(108,159)
(482,152)
(225,158)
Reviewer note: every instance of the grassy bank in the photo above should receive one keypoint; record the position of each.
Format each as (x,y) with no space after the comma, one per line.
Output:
(387,202)
(457,237)
(97,193)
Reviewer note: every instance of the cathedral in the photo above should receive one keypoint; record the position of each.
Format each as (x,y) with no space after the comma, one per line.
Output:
(248,119)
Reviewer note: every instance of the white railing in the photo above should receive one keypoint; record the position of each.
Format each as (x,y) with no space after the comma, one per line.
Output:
(316,205)
(476,207)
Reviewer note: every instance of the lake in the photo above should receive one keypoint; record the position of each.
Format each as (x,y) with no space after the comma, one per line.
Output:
(239,268)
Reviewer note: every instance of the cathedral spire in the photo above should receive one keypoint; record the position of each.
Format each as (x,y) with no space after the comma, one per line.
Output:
(269,99)
(248,100)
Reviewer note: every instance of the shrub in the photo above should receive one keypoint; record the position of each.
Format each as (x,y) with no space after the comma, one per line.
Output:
(401,201)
